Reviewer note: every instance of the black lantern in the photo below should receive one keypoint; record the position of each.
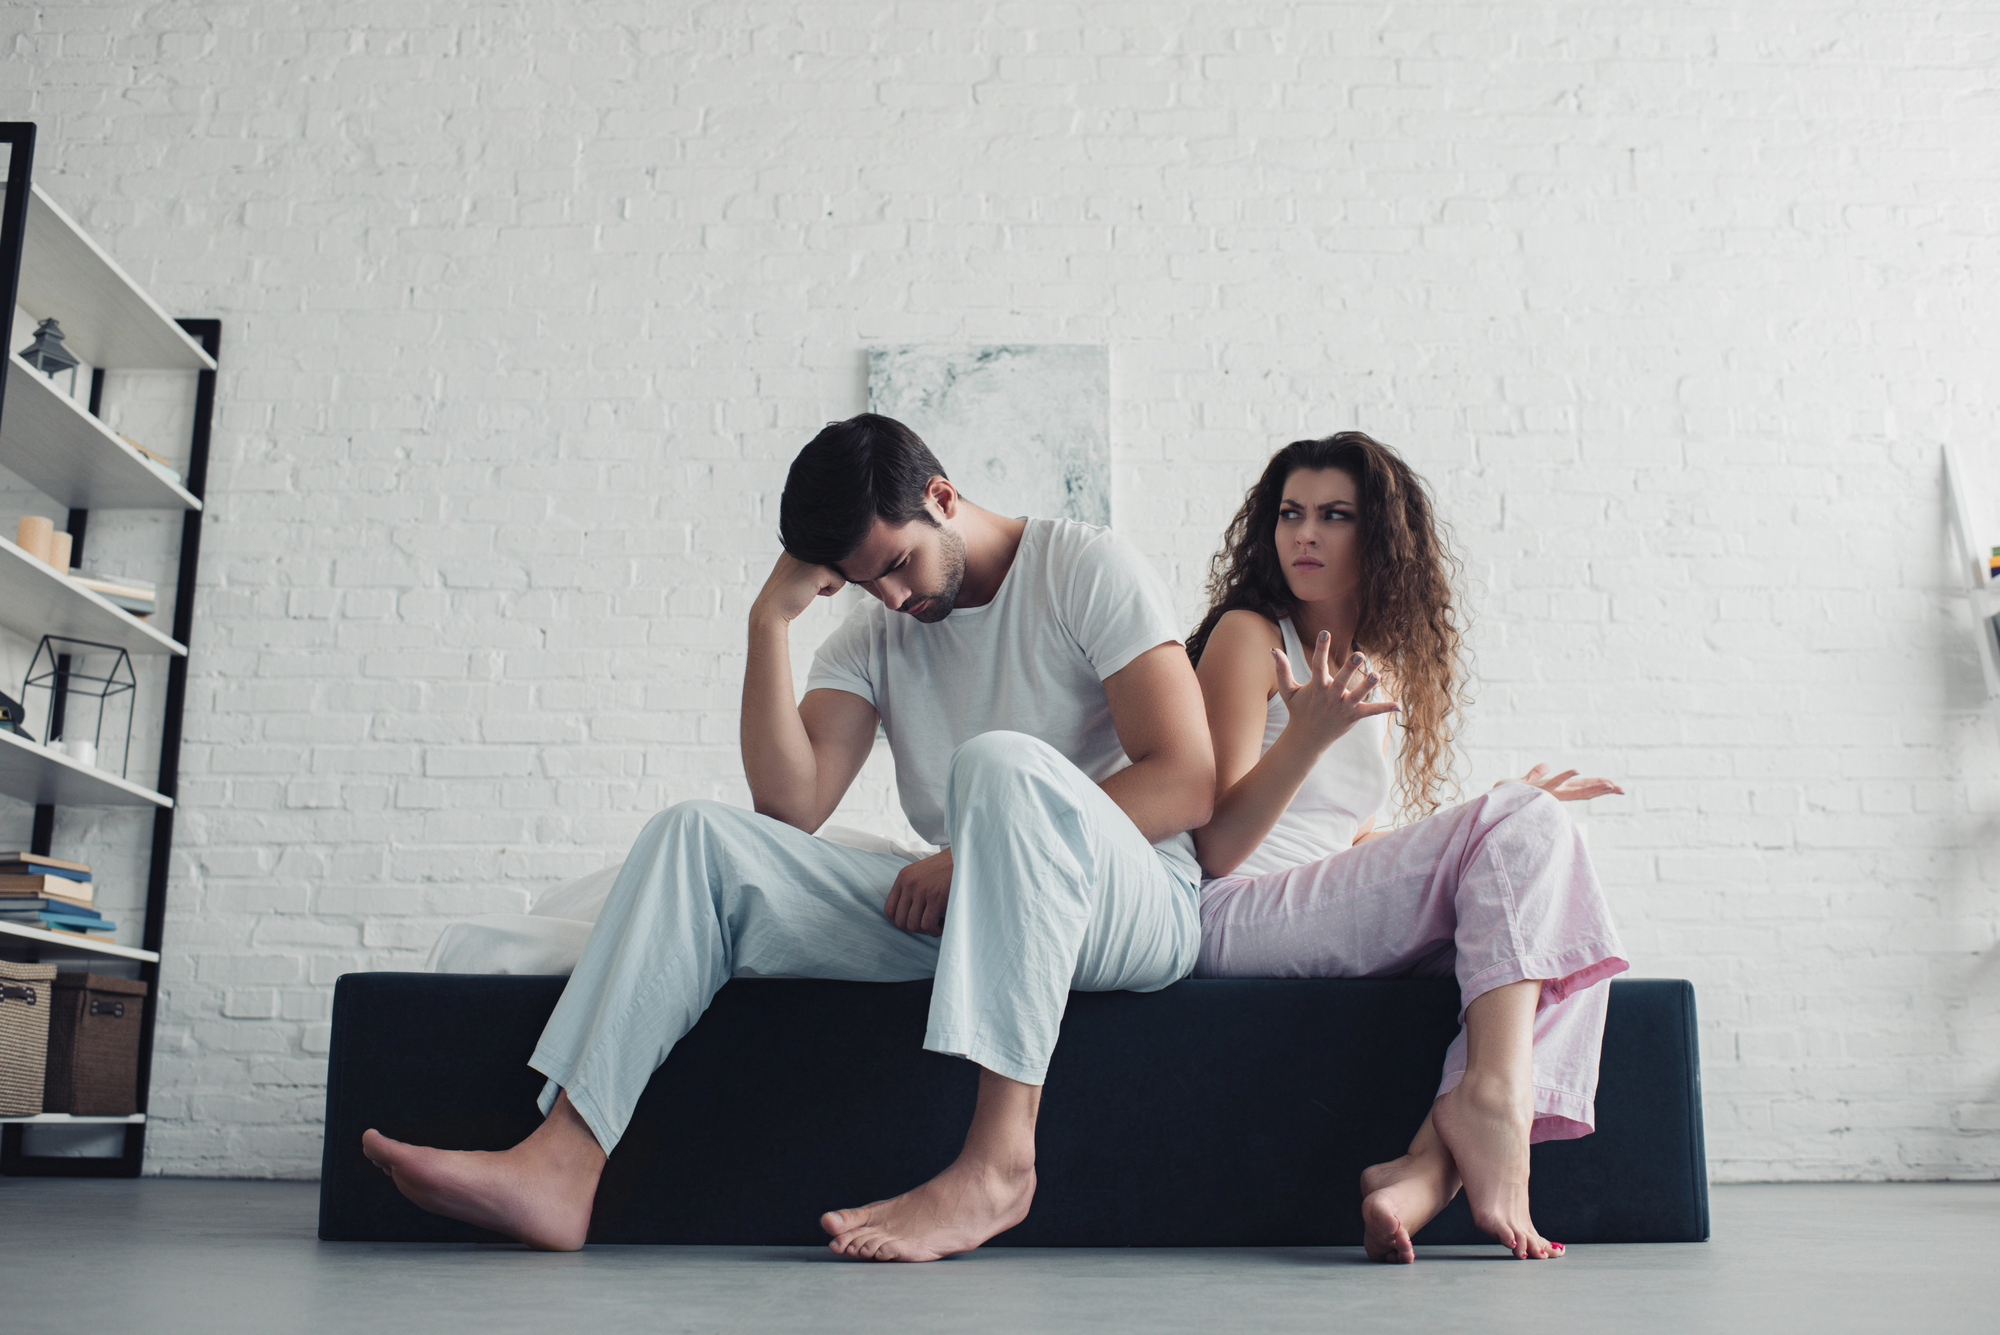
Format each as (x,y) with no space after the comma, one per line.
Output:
(48,355)
(12,716)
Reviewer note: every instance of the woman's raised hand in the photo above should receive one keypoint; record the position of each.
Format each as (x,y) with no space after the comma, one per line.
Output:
(1566,787)
(1328,703)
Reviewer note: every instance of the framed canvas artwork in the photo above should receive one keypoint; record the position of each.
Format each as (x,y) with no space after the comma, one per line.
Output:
(1021,429)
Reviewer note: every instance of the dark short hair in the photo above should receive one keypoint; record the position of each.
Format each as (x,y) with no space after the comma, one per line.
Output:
(851,474)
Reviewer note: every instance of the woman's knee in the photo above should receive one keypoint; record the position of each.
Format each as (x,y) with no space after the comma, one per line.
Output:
(1525,804)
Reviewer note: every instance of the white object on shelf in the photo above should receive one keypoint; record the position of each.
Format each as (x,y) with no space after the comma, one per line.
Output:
(38,600)
(71,1119)
(63,944)
(106,319)
(64,452)
(44,776)
(1984,604)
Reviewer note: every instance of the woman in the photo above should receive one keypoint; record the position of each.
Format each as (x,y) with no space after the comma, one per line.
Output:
(1332,581)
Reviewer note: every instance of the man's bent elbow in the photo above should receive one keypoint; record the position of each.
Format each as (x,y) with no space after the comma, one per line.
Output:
(798,820)
(1197,806)
(1204,811)
(1193,800)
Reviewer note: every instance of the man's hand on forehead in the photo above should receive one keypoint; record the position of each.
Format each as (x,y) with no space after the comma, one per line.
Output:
(794,584)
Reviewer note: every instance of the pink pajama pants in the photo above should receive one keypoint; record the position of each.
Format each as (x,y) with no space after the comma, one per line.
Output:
(1496,890)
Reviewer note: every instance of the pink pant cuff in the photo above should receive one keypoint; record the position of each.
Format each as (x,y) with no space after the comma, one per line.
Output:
(1561,974)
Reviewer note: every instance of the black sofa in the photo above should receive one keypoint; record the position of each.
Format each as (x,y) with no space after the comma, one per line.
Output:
(1214,1113)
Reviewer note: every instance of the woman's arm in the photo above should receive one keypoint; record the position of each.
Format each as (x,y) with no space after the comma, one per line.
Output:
(1238,674)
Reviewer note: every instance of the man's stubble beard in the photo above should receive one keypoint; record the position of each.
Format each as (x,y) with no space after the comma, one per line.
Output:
(940,602)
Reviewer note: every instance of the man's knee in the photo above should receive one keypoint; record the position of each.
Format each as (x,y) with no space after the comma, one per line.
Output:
(1000,753)
(700,820)
(1009,784)
(693,849)
(686,815)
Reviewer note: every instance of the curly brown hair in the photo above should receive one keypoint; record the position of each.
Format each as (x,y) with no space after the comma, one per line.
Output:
(1409,623)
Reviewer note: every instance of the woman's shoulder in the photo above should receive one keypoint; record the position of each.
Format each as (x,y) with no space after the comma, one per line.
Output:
(1244,628)
(1239,650)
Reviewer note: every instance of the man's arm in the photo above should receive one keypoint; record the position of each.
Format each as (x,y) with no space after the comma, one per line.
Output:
(1156,707)
(799,756)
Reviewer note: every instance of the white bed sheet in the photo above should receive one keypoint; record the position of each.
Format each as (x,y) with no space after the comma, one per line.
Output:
(550,936)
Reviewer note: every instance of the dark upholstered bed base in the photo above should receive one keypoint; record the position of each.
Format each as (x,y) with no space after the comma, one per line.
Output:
(1215,1113)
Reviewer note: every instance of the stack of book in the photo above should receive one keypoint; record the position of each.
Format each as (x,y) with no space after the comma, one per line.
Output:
(137,596)
(157,462)
(50,894)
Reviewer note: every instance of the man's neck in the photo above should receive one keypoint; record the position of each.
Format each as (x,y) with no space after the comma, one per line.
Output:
(990,544)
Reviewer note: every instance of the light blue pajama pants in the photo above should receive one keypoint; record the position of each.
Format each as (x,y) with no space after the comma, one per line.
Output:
(1052,888)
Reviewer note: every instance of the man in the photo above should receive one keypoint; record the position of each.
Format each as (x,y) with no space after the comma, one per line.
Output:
(1047,731)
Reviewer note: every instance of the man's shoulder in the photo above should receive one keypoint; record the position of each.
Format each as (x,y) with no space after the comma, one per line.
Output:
(1073,545)
(1066,535)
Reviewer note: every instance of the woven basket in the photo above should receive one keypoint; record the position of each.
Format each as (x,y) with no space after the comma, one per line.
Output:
(94,1045)
(25,997)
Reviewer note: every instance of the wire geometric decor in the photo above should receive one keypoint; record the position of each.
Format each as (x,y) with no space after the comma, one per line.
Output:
(58,667)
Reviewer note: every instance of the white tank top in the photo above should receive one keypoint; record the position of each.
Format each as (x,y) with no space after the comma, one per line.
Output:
(1344,789)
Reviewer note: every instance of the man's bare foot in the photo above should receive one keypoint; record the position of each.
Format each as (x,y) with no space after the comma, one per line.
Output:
(1484,1123)
(1399,1197)
(539,1192)
(955,1211)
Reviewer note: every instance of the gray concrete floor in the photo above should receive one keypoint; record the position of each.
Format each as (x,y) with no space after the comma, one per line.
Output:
(171,1255)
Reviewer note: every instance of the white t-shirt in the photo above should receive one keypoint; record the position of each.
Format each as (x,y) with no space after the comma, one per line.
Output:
(1078,604)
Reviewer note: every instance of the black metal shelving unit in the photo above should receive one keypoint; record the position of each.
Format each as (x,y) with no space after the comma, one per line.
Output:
(49,781)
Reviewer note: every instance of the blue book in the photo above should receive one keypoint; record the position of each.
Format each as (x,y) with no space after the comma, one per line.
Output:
(68,920)
(29,908)
(37,869)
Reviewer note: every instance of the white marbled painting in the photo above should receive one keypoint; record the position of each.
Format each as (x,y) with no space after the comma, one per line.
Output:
(1022,429)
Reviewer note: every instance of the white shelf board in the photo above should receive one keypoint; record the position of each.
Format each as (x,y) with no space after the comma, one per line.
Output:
(38,600)
(31,773)
(70,1119)
(65,943)
(106,318)
(70,456)
(1958,483)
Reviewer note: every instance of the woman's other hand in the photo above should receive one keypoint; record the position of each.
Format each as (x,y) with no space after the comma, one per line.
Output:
(1566,787)
(1329,703)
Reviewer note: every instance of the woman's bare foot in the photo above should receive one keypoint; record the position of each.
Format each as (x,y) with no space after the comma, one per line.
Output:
(1399,1197)
(539,1192)
(955,1211)
(1484,1123)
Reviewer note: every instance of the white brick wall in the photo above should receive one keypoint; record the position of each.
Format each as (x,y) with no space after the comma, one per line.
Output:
(527,307)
